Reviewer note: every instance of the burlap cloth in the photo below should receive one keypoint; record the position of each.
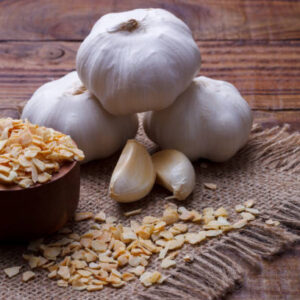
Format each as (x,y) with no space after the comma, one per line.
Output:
(266,170)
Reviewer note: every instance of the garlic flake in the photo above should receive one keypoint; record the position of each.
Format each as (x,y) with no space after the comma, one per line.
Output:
(175,172)
(138,60)
(134,175)
(66,106)
(209,120)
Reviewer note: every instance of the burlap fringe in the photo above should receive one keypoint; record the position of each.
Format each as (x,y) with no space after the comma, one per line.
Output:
(218,270)
(274,148)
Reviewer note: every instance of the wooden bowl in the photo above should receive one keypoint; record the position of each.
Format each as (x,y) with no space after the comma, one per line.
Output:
(27,213)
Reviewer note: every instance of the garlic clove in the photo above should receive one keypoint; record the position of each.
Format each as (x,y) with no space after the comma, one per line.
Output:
(134,175)
(175,172)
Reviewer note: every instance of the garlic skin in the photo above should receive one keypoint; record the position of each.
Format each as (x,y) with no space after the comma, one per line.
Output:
(134,175)
(66,106)
(175,172)
(138,60)
(209,120)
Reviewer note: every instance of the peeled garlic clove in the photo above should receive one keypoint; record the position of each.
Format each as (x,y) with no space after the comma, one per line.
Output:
(175,172)
(134,175)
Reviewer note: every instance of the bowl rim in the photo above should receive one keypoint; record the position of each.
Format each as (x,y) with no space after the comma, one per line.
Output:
(64,169)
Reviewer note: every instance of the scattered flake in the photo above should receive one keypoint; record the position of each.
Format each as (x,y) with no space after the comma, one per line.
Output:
(253,211)
(211,233)
(64,272)
(239,224)
(197,217)
(159,226)
(62,283)
(149,278)
(163,252)
(221,212)
(178,228)
(188,258)
(272,222)
(166,235)
(247,216)
(74,236)
(150,220)
(170,215)
(134,261)
(223,221)
(249,203)
(173,254)
(128,276)
(28,275)
(239,208)
(210,186)
(12,271)
(94,259)
(81,216)
(195,238)
(168,263)
(52,274)
(138,271)
(51,252)
(100,216)
(93,288)
(132,212)
(84,273)
(33,261)
(98,246)
(185,215)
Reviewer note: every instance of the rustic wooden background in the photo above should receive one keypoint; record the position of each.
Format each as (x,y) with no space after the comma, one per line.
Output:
(255,44)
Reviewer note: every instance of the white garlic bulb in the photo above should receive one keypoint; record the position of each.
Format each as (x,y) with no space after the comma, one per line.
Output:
(138,60)
(66,106)
(209,120)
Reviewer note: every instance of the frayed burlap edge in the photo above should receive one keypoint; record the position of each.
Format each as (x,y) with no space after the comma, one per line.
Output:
(216,271)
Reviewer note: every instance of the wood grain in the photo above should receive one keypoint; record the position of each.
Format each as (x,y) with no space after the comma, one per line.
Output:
(278,280)
(254,44)
(266,73)
(209,20)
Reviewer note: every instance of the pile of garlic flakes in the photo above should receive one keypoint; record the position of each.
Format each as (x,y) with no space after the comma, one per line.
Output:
(30,154)
(113,254)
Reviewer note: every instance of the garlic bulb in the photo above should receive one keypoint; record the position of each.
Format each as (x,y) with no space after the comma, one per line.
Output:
(138,60)
(66,106)
(134,175)
(175,172)
(209,120)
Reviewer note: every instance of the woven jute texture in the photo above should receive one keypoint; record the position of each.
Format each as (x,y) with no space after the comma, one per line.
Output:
(266,170)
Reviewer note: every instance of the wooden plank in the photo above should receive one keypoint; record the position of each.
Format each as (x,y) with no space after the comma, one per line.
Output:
(272,118)
(266,73)
(278,280)
(208,19)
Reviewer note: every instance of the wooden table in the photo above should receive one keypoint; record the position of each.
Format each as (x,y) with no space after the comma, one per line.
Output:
(255,44)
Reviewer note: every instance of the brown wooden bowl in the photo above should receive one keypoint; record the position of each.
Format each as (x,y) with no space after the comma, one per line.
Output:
(27,213)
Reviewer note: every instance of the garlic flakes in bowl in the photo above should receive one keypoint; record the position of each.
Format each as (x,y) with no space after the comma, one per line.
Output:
(30,154)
